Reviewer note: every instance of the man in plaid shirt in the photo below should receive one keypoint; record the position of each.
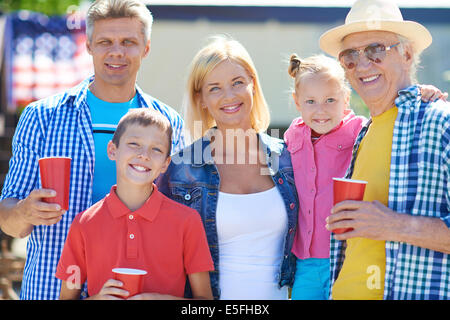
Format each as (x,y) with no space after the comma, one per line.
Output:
(400,243)
(64,125)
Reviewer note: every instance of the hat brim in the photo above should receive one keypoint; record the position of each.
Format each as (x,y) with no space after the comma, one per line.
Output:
(331,41)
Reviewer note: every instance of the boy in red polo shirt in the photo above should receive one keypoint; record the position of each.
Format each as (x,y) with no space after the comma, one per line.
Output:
(136,226)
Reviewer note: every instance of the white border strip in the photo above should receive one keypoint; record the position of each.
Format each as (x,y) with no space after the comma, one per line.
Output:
(296,3)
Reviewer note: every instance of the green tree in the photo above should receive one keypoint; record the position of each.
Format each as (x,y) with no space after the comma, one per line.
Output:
(48,7)
(358,105)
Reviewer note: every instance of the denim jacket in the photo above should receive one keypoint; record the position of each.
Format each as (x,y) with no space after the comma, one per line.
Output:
(193,180)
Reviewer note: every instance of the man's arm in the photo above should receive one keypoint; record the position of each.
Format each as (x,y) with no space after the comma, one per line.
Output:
(373,220)
(18,217)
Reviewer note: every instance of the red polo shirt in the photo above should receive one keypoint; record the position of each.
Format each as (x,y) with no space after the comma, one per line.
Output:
(163,237)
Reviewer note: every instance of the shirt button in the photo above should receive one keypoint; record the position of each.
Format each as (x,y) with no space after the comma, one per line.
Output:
(312,169)
(312,190)
(340,146)
(130,217)
(292,206)
(131,236)
(280,181)
(187,197)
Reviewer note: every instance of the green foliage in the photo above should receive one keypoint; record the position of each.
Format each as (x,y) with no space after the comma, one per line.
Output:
(358,105)
(48,7)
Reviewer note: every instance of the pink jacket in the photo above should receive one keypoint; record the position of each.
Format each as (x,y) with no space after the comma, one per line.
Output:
(314,167)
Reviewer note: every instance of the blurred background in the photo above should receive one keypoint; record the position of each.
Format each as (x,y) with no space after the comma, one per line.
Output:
(42,52)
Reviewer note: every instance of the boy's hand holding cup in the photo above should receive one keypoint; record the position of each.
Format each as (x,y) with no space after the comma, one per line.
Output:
(132,279)
(347,189)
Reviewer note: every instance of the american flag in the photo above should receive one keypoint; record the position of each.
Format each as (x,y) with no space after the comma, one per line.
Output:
(46,55)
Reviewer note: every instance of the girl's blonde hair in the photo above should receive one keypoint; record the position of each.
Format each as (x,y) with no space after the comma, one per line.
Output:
(221,48)
(314,65)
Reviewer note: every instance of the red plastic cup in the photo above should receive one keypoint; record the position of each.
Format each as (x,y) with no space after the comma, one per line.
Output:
(347,189)
(132,279)
(55,174)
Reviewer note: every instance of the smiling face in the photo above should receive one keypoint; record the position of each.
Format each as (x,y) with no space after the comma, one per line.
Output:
(117,47)
(378,83)
(142,154)
(227,93)
(321,101)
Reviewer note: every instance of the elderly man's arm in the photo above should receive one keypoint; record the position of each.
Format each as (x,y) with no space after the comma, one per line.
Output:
(374,220)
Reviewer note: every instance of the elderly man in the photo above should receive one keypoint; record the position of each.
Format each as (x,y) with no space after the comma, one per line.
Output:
(400,243)
(77,124)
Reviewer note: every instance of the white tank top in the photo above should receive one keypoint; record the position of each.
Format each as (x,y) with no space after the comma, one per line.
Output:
(251,231)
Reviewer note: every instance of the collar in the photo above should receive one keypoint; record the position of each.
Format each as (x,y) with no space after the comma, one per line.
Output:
(79,94)
(149,210)
(408,97)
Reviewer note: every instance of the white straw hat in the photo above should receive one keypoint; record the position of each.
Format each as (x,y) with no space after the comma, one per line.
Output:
(375,15)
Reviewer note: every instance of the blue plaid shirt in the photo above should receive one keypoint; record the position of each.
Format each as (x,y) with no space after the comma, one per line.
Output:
(60,126)
(418,185)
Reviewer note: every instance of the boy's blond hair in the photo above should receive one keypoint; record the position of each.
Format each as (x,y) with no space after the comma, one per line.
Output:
(221,48)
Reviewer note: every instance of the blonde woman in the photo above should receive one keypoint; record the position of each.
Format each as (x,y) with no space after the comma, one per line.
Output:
(238,178)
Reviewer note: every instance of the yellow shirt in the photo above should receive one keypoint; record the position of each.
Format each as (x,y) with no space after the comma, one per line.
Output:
(362,273)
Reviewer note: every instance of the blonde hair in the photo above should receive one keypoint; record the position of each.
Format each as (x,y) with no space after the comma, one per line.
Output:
(221,48)
(111,9)
(314,65)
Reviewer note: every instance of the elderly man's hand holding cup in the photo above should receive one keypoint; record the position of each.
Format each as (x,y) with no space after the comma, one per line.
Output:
(346,189)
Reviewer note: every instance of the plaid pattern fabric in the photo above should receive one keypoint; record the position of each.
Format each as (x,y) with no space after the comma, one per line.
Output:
(418,185)
(60,126)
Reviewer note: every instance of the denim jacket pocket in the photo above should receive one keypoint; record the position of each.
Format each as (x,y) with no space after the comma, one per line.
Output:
(288,174)
(190,197)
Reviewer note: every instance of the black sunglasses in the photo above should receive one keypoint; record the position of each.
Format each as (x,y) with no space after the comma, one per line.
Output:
(375,52)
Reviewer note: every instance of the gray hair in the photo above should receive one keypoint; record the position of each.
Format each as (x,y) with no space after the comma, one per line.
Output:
(110,9)
(404,43)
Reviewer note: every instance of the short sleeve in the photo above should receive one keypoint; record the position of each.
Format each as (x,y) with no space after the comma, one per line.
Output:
(197,257)
(72,263)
